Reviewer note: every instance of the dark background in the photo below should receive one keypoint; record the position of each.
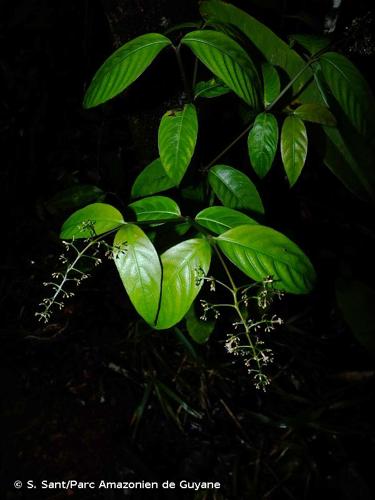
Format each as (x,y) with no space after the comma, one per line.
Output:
(70,390)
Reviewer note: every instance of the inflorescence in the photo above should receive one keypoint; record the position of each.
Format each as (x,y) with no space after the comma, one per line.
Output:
(75,262)
(247,339)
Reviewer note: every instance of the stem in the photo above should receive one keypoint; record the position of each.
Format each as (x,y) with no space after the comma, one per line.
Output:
(247,330)
(195,73)
(313,59)
(71,267)
(291,83)
(236,305)
(187,88)
(227,272)
(195,70)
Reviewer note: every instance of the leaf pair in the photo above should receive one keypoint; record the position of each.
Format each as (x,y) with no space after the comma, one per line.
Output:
(161,291)
(264,135)
(222,55)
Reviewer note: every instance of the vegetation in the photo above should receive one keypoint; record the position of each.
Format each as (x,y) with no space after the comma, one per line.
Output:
(218,188)
(322,87)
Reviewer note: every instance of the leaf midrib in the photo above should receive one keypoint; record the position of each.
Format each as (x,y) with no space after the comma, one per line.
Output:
(103,71)
(179,128)
(220,238)
(177,269)
(232,190)
(158,212)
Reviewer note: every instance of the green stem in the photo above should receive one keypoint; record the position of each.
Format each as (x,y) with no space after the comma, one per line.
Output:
(236,306)
(227,272)
(195,70)
(290,84)
(313,59)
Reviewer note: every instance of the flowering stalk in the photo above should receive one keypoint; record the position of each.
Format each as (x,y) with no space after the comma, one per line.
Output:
(255,355)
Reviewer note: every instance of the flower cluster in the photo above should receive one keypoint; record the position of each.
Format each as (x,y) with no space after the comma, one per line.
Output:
(246,342)
(209,307)
(268,293)
(74,272)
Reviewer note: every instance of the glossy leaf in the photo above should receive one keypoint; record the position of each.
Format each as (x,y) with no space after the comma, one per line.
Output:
(262,143)
(177,137)
(198,329)
(155,208)
(123,67)
(356,301)
(228,61)
(348,153)
(312,43)
(74,197)
(260,251)
(183,26)
(139,267)
(350,90)
(97,217)
(220,219)
(271,83)
(273,48)
(210,88)
(315,113)
(182,265)
(293,147)
(353,170)
(196,192)
(234,189)
(153,179)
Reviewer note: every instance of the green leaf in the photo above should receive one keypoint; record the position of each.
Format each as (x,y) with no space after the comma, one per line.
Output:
(123,67)
(196,192)
(74,197)
(228,61)
(210,88)
(155,208)
(153,179)
(293,147)
(97,217)
(234,189)
(183,26)
(271,83)
(350,90)
(199,330)
(139,267)
(348,154)
(275,50)
(177,137)
(220,219)
(356,301)
(312,43)
(185,342)
(353,169)
(262,143)
(182,265)
(315,113)
(260,252)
